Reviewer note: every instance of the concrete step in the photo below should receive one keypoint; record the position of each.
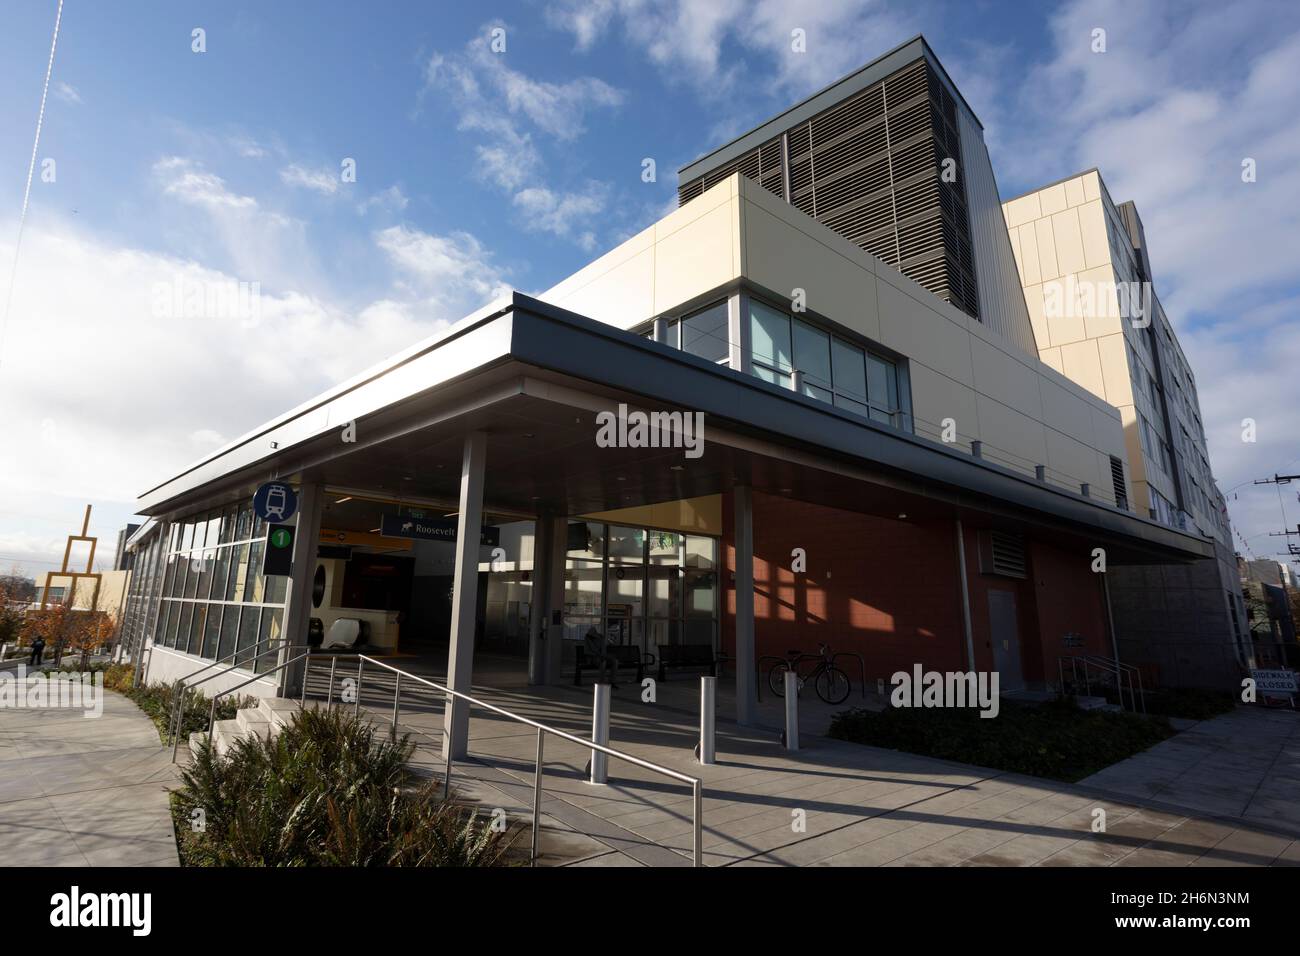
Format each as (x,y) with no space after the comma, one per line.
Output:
(197,739)
(277,710)
(224,734)
(1083,702)
(252,720)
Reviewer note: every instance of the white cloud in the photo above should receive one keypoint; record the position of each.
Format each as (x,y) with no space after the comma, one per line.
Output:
(321,180)
(703,42)
(562,213)
(506,106)
(450,268)
(391,199)
(67,93)
(187,181)
(128,394)
(483,83)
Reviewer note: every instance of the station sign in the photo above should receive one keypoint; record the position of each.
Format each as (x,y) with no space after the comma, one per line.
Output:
(1274,681)
(275,501)
(277,559)
(431,529)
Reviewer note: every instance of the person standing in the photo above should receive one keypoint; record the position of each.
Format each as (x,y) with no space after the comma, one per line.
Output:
(38,650)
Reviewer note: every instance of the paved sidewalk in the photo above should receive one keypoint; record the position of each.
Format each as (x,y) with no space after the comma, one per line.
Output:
(1244,764)
(78,791)
(859,806)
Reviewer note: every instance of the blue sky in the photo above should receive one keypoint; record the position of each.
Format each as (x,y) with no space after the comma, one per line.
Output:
(477,170)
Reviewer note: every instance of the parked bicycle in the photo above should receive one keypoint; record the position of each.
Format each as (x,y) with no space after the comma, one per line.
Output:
(831,683)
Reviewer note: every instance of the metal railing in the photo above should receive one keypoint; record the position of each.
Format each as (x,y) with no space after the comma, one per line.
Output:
(177,718)
(1120,672)
(697,793)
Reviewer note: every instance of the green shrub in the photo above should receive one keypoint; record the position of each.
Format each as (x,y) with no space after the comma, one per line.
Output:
(326,791)
(1055,740)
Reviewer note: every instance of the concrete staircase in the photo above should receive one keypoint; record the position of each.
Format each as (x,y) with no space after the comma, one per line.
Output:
(264,720)
(1084,702)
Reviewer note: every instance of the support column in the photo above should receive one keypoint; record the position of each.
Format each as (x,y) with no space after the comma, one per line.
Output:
(554,622)
(746,682)
(543,568)
(464,596)
(965,598)
(297,598)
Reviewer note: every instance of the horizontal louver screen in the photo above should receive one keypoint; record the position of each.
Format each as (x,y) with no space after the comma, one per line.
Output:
(871,168)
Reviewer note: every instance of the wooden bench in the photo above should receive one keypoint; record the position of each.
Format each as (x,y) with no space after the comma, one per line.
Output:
(625,656)
(686,655)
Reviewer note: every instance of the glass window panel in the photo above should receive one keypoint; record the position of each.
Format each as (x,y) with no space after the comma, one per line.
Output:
(160,632)
(850,375)
(168,574)
(664,597)
(276,585)
(581,593)
(812,391)
(229,630)
(205,573)
(214,528)
(222,573)
(623,604)
(194,632)
(268,633)
(776,378)
(769,331)
(244,523)
(705,333)
(812,355)
(626,544)
(193,565)
(211,628)
(586,539)
(701,552)
(228,524)
(852,406)
(173,622)
(700,593)
(665,547)
(253,584)
(238,574)
(247,641)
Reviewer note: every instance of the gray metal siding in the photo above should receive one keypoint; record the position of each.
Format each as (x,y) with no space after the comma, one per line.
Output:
(1001,298)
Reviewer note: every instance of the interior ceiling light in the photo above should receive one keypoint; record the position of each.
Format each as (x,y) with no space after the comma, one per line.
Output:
(902,515)
(675,468)
(342,500)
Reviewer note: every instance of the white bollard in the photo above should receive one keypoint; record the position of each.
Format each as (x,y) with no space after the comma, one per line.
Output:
(791,710)
(708,715)
(600,733)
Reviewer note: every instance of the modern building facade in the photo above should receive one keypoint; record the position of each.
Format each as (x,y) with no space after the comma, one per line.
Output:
(813,446)
(1097,319)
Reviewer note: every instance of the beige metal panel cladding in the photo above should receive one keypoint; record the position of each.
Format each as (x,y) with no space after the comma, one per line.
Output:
(689,252)
(1002,304)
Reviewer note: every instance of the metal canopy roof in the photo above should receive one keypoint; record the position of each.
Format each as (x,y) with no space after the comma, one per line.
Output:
(533,377)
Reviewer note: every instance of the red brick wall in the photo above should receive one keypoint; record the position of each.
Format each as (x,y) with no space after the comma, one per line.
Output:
(885,589)
(889,590)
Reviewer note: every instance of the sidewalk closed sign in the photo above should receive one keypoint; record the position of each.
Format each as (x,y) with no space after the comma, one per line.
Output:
(277,559)
(1274,681)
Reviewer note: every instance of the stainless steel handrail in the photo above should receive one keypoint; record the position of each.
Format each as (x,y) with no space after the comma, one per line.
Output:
(206,667)
(179,707)
(697,791)
(1123,673)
